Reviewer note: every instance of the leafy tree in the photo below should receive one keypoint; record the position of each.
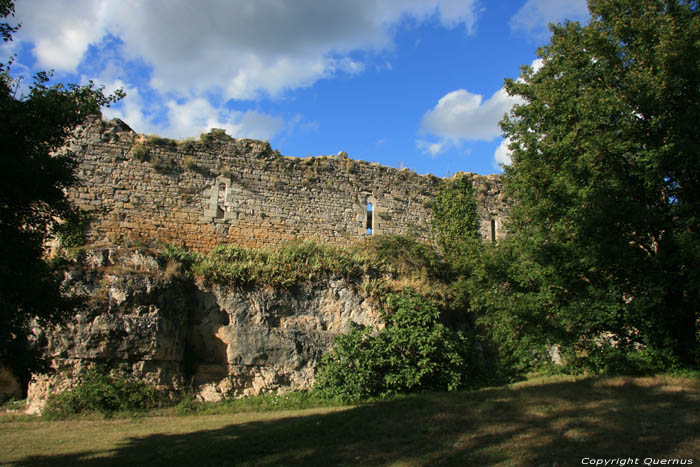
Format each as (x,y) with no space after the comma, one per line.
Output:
(606,174)
(35,174)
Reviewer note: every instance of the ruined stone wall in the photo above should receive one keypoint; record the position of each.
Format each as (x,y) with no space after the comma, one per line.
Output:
(223,190)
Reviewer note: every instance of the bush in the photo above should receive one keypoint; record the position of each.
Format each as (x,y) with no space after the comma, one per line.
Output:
(160,141)
(72,232)
(100,392)
(414,352)
(622,360)
(140,152)
(408,257)
(225,171)
(179,254)
(190,164)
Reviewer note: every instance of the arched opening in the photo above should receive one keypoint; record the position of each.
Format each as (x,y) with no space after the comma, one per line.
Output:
(369,225)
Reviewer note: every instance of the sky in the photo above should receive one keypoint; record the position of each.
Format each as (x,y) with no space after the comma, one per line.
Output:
(405,83)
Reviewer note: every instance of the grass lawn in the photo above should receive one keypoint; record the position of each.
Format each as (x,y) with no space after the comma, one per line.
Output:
(546,421)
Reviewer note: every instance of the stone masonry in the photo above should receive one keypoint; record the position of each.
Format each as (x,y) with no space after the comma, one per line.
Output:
(201,193)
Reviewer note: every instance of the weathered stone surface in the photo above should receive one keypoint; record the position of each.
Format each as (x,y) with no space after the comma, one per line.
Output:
(175,332)
(224,190)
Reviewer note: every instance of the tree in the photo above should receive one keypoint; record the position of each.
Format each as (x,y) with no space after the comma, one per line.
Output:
(35,173)
(606,174)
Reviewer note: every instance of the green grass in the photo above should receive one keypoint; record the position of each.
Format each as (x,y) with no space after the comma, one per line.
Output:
(547,421)
(301,262)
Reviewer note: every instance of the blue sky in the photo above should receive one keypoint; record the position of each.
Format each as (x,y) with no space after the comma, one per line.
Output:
(406,83)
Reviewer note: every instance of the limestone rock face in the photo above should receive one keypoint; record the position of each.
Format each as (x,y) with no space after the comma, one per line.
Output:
(142,316)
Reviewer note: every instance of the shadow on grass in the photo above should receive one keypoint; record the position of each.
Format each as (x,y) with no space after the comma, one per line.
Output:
(557,423)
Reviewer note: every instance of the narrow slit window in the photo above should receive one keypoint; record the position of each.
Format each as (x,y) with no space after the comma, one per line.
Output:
(369,225)
(493,230)
(221,201)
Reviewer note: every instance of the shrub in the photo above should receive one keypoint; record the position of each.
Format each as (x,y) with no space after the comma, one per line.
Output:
(179,254)
(161,164)
(407,256)
(350,166)
(225,171)
(100,392)
(72,232)
(140,152)
(190,164)
(159,141)
(414,352)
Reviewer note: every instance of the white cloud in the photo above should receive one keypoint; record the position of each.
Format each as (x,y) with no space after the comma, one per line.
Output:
(190,117)
(131,109)
(534,17)
(502,155)
(461,115)
(233,49)
(197,115)
(241,47)
(433,148)
(256,125)
(61,31)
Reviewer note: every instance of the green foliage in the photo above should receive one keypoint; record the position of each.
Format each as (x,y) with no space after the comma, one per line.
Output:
(456,224)
(190,164)
(99,392)
(35,175)
(406,256)
(180,255)
(513,322)
(156,140)
(72,233)
(161,163)
(140,152)
(414,352)
(288,265)
(613,359)
(268,402)
(386,256)
(225,171)
(454,215)
(607,175)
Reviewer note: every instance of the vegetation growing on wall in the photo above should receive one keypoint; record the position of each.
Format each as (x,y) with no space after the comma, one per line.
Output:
(455,218)
(382,257)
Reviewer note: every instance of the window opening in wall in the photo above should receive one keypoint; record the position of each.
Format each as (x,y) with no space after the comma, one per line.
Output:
(370,221)
(493,230)
(221,200)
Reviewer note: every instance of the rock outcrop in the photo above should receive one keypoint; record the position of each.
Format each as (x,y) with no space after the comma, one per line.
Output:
(145,317)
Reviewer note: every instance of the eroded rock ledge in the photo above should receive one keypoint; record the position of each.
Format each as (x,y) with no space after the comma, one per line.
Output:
(145,317)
